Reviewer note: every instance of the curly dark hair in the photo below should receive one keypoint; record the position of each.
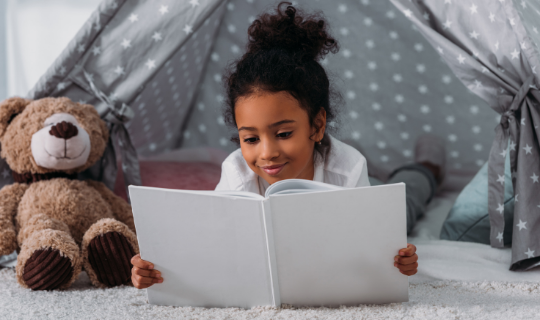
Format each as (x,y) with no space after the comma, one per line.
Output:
(282,55)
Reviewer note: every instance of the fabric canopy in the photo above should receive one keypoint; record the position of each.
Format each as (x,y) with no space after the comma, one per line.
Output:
(112,60)
(492,46)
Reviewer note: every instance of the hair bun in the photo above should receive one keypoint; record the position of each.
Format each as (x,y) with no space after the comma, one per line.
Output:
(304,36)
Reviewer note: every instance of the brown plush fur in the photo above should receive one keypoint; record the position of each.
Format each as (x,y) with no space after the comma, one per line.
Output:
(59,213)
(10,196)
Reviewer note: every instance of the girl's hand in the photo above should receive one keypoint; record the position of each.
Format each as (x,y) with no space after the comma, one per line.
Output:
(143,274)
(407,260)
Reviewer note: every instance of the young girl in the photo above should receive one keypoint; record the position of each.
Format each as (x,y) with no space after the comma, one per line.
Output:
(279,99)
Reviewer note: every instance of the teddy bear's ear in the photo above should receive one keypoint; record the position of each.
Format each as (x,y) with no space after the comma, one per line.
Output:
(9,109)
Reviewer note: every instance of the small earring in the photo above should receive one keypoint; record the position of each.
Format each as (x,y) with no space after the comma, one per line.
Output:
(319,143)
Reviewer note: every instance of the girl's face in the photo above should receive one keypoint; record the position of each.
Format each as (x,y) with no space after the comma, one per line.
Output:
(276,138)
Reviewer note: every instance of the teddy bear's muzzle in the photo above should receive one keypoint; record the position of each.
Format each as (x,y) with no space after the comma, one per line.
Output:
(62,144)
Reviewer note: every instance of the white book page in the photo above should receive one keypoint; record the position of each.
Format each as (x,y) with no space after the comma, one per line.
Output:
(291,186)
(210,248)
(338,247)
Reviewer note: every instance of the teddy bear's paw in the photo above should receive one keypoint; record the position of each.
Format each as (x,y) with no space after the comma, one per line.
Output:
(49,259)
(47,270)
(109,255)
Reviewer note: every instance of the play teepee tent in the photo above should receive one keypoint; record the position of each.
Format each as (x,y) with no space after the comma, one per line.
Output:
(153,71)
(497,56)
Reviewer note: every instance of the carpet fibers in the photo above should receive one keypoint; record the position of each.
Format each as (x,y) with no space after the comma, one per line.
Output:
(430,300)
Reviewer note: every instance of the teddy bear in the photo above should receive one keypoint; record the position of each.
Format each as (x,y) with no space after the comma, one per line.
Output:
(59,224)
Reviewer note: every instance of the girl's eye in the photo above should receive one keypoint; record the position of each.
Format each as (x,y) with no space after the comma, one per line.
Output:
(284,134)
(251,140)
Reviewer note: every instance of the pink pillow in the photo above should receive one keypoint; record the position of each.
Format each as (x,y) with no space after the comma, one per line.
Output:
(174,175)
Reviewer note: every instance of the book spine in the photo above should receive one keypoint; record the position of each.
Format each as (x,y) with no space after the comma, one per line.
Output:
(267,215)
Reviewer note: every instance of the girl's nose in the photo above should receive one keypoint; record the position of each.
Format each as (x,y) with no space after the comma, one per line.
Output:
(269,150)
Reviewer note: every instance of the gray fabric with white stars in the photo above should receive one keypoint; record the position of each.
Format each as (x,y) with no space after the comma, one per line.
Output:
(493,47)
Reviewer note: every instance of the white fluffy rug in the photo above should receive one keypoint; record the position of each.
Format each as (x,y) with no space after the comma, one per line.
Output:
(433,300)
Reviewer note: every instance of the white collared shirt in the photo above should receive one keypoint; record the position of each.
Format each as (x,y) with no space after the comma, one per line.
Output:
(343,166)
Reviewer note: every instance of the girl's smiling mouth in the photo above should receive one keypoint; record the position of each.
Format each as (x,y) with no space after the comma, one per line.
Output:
(273,170)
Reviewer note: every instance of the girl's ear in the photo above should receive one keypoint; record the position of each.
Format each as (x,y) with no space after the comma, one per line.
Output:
(320,125)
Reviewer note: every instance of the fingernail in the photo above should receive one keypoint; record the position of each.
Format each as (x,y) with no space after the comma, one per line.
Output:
(395,264)
(151,266)
(160,280)
(401,253)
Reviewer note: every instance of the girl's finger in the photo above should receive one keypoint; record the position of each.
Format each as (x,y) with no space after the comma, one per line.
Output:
(409,251)
(409,273)
(135,283)
(406,267)
(145,273)
(138,262)
(406,260)
(143,280)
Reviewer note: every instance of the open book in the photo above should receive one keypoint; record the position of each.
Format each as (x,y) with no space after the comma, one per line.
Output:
(305,243)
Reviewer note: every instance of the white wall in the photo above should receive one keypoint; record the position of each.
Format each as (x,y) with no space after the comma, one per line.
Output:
(37,32)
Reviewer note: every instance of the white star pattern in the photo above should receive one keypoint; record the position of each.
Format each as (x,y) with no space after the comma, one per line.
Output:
(515,54)
(500,179)
(96,51)
(500,236)
(163,9)
(408,13)
(447,24)
(80,49)
(534,178)
(61,86)
(512,146)
(529,253)
(503,153)
(500,208)
(474,35)
(473,9)
(491,17)
(461,59)
(126,43)
(133,17)
(194,3)
(188,29)
(521,225)
(119,71)
(157,36)
(150,64)
(527,149)
(522,121)
(477,83)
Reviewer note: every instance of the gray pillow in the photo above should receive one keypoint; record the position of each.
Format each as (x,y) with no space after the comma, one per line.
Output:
(469,220)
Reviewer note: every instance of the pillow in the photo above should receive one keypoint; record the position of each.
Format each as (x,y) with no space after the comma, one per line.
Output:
(469,219)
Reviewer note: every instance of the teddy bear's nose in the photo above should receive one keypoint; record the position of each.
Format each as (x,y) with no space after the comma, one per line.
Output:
(64,130)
